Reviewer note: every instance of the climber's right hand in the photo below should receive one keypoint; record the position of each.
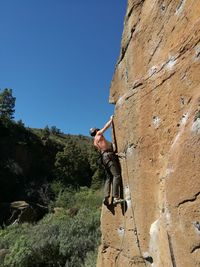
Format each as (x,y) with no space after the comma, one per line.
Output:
(111,117)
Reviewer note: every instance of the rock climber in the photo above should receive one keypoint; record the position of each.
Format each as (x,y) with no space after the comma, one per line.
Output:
(110,162)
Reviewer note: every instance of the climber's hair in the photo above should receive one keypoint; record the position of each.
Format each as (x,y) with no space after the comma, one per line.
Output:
(93,131)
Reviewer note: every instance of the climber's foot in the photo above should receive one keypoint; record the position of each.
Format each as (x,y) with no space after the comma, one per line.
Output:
(118,200)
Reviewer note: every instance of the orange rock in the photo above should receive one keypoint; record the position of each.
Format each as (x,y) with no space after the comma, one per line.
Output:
(156,92)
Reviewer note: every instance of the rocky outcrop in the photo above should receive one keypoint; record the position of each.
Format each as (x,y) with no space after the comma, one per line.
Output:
(156,92)
(21,212)
(26,212)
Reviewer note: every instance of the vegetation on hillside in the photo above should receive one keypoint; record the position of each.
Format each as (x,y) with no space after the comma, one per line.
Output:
(57,170)
(31,159)
(69,236)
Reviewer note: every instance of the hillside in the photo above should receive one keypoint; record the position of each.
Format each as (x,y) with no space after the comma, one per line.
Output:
(50,198)
(31,159)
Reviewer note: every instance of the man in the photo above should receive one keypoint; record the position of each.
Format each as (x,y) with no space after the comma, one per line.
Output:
(111,163)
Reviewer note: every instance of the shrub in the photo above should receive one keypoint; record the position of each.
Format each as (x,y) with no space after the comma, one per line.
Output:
(59,239)
(83,198)
(91,258)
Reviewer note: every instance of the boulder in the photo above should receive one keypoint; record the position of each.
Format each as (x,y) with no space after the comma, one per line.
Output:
(26,212)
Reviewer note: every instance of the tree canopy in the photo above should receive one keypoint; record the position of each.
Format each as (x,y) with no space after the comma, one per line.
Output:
(7,104)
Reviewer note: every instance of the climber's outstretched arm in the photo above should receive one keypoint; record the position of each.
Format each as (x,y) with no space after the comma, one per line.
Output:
(106,126)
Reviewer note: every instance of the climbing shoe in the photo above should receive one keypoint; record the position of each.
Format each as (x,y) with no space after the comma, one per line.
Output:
(106,201)
(118,201)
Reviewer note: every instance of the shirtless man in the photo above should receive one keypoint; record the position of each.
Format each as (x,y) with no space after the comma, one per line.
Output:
(111,163)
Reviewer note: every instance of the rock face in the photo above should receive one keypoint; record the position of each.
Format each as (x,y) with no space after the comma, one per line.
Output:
(156,92)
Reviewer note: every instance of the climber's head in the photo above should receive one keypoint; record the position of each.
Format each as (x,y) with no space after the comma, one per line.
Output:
(93,131)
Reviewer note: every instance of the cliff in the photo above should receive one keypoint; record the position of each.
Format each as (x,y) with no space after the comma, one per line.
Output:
(156,92)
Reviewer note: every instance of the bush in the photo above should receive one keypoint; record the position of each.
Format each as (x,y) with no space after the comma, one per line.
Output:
(59,239)
(91,258)
(80,237)
(83,198)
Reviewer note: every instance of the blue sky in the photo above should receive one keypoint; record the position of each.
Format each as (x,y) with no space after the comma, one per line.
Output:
(59,57)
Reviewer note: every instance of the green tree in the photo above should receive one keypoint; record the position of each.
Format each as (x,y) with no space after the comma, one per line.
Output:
(72,166)
(54,130)
(7,104)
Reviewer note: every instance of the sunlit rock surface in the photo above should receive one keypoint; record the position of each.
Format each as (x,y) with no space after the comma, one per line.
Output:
(156,92)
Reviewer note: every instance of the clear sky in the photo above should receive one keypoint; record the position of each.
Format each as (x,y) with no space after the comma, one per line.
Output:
(59,57)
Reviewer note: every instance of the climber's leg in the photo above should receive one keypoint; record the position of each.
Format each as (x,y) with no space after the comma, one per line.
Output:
(107,187)
(116,173)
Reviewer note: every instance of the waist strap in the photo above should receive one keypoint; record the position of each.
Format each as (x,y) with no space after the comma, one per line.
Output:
(107,151)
